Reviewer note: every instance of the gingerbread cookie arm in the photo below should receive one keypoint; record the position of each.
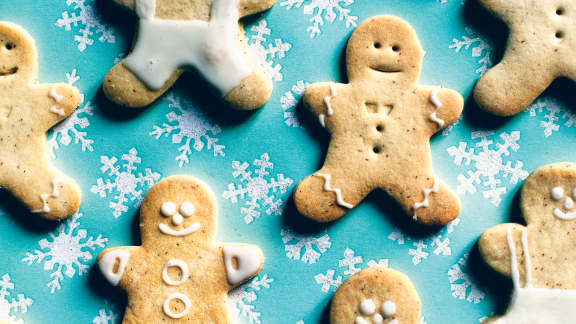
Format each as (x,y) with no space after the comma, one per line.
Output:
(318,98)
(445,106)
(57,101)
(114,264)
(250,7)
(498,7)
(495,250)
(242,262)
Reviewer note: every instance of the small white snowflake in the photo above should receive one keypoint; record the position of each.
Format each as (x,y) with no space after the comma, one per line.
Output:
(323,11)
(260,189)
(187,125)
(105,317)
(550,121)
(461,285)
(418,254)
(289,102)
(382,263)
(66,252)
(123,181)
(313,247)
(82,16)
(241,300)
(480,49)
(265,52)
(490,167)
(10,305)
(350,261)
(328,281)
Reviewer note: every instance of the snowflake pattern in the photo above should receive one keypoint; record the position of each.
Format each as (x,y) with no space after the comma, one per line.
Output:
(313,247)
(552,111)
(187,125)
(420,249)
(241,300)
(123,181)
(480,49)
(82,16)
(265,52)
(461,285)
(323,11)
(105,317)
(257,190)
(289,102)
(66,131)
(9,305)
(490,167)
(66,252)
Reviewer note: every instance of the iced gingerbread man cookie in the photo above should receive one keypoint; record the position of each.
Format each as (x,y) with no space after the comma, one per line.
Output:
(541,256)
(179,275)
(376,296)
(540,49)
(381,123)
(27,111)
(200,34)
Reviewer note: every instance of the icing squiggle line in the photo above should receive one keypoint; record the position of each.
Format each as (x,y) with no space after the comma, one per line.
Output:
(55,193)
(564,216)
(438,104)
(513,261)
(337,191)
(328,102)
(57,111)
(425,203)
(54,95)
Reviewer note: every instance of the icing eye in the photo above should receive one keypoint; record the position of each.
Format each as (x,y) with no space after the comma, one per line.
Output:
(187,209)
(377,319)
(168,209)
(568,203)
(388,309)
(367,307)
(557,193)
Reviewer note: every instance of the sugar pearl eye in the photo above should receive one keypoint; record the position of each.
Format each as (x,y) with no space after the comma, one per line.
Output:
(388,309)
(557,193)
(377,319)
(187,209)
(367,307)
(177,219)
(168,209)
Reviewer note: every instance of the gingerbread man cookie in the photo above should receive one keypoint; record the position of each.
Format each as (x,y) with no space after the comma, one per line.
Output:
(200,34)
(540,49)
(179,275)
(27,111)
(540,257)
(376,296)
(381,123)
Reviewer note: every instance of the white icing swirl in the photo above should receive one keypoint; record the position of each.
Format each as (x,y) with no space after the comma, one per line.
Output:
(45,196)
(180,265)
(425,203)
(248,263)
(438,104)
(108,262)
(328,102)
(177,296)
(327,187)
(54,94)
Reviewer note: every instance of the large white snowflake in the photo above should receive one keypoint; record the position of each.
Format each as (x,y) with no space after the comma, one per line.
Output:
(480,49)
(187,125)
(266,52)
(313,246)
(66,131)
(490,164)
(257,188)
(123,182)
(9,305)
(461,285)
(421,249)
(289,102)
(323,11)
(66,252)
(241,300)
(551,111)
(83,18)
(105,317)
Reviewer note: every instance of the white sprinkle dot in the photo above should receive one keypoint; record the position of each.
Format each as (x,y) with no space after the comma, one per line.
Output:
(168,209)
(187,209)
(557,193)
(388,308)
(367,307)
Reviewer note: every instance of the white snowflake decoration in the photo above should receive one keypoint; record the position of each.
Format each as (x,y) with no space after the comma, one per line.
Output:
(123,181)
(327,281)
(265,52)
(241,300)
(461,285)
(550,121)
(82,16)
(323,11)
(418,253)
(105,317)
(66,252)
(350,261)
(10,305)
(480,49)
(258,189)
(490,167)
(189,127)
(313,247)
(289,102)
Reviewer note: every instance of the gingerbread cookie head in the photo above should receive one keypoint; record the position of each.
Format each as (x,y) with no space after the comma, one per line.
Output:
(18,55)
(376,296)
(179,209)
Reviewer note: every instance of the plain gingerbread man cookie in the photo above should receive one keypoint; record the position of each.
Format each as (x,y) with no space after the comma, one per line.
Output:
(540,49)
(179,275)
(540,257)
(27,111)
(376,296)
(381,123)
(201,34)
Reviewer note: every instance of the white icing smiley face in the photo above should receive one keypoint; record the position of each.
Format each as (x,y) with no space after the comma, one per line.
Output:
(368,309)
(557,194)
(177,216)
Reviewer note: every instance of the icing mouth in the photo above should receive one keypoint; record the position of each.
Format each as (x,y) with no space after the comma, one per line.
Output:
(183,232)
(565,216)
(9,71)
(385,69)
